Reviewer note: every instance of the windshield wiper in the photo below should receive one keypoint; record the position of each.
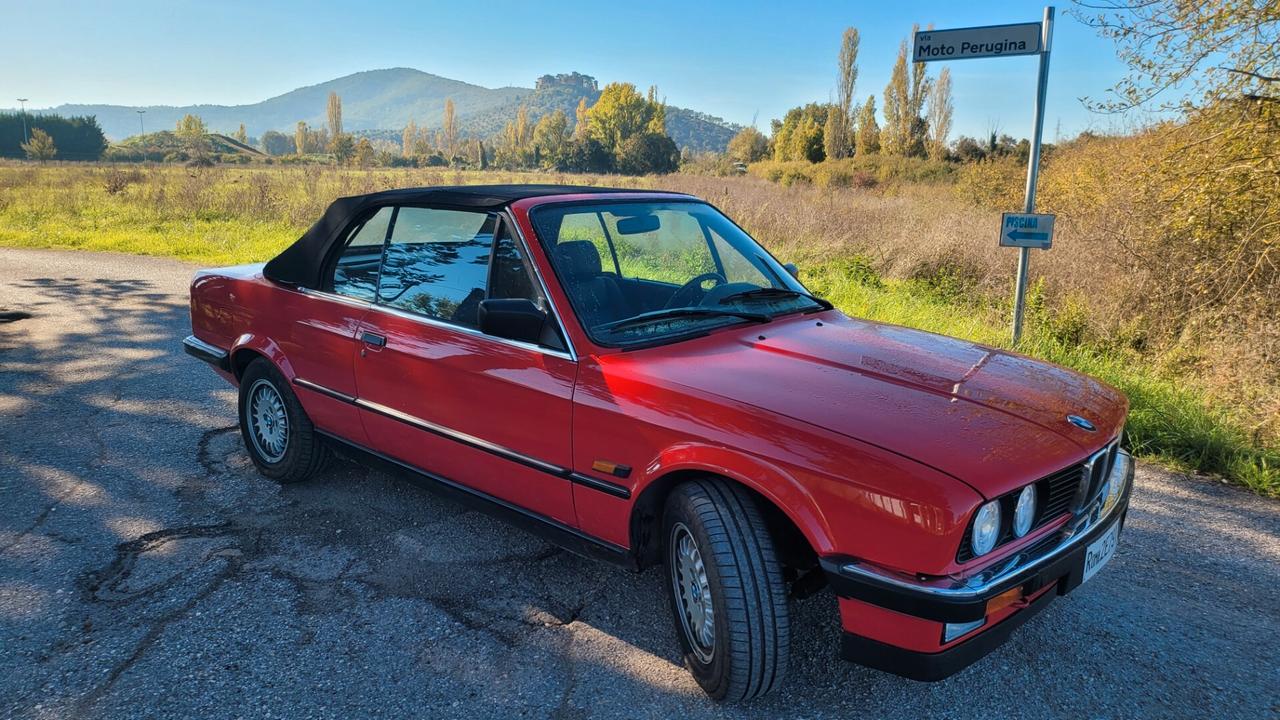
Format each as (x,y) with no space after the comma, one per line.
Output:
(769,292)
(672,313)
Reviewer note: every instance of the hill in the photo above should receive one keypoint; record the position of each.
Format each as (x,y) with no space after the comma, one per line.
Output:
(385,100)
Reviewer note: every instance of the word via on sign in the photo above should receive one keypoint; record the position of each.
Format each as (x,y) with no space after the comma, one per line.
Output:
(1028,230)
(977,42)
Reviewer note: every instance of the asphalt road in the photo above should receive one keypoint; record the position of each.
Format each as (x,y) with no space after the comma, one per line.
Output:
(147,571)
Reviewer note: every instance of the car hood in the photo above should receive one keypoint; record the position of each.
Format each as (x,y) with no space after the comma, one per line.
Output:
(993,419)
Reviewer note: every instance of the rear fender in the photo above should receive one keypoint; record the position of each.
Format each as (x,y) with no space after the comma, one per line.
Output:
(263,346)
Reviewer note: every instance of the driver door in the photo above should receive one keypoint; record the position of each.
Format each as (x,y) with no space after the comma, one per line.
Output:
(435,392)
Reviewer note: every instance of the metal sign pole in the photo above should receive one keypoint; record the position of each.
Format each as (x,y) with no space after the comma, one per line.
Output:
(1033,170)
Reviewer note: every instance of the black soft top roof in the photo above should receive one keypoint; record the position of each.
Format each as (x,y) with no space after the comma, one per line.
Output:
(301,263)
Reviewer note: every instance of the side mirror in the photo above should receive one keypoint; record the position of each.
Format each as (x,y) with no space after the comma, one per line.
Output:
(791,268)
(512,318)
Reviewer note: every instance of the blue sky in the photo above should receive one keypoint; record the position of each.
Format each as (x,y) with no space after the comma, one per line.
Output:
(738,60)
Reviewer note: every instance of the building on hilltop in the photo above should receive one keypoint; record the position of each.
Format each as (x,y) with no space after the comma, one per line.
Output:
(570,80)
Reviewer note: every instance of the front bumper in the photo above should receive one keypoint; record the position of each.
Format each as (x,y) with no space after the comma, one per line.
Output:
(1049,567)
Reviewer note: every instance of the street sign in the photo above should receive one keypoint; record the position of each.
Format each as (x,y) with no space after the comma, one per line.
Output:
(1026,230)
(977,42)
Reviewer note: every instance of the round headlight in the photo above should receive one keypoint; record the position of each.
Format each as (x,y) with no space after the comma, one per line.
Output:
(1025,511)
(986,528)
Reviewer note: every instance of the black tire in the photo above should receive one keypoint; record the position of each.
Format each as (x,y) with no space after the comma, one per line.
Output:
(751,620)
(304,453)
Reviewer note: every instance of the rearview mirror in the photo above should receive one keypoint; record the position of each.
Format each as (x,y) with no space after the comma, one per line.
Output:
(512,318)
(791,268)
(638,224)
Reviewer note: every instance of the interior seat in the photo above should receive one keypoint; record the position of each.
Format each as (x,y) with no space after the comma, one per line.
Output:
(597,295)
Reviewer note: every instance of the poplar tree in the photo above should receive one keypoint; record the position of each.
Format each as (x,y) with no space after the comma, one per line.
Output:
(449,129)
(838,134)
(940,109)
(868,137)
(658,120)
(580,119)
(408,138)
(335,115)
(300,134)
(904,98)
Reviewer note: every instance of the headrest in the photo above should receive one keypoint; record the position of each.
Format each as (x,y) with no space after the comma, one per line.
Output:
(579,258)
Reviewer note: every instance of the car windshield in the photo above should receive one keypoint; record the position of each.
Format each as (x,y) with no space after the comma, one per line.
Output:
(654,272)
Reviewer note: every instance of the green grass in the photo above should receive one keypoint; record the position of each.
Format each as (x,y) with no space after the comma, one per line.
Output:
(1169,421)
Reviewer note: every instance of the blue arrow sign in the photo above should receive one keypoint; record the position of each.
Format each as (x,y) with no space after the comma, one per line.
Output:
(1016,235)
(1028,230)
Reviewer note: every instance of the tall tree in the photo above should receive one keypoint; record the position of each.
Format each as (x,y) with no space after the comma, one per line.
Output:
(904,98)
(277,143)
(620,113)
(241,135)
(449,130)
(799,136)
(551,138)
(657,124)
(300,135)
(834,137)
(841,128)
(580,119)
(749,145)
(40,146)
(343,148)
(191,127)
(76,138)
(335,115)
(940,109)
(408,138)
(868,137)
(364,152)
(1225,49)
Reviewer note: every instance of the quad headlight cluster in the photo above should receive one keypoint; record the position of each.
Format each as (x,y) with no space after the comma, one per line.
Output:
(988,525)
(1114,486)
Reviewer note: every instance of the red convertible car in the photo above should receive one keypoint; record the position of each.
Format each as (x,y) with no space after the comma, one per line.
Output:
(631,375)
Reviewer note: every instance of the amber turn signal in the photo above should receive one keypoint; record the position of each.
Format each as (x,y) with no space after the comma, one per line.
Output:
(610,468)
(1004,599)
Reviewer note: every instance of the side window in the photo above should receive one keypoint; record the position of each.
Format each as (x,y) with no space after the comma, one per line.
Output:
(587,226)
(355,274)
(509,277)
(436,263)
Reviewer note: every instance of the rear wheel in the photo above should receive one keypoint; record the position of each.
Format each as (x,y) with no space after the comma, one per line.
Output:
(726,588)
(279,436)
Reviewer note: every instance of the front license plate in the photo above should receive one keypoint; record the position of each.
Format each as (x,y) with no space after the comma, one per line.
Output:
(1100,551)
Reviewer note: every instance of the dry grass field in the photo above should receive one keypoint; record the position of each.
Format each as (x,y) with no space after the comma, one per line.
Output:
(910,253)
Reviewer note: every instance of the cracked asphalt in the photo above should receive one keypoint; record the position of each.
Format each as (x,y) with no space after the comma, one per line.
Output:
(147,571)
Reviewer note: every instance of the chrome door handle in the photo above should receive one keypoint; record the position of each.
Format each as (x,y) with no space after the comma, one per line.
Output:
(373,339)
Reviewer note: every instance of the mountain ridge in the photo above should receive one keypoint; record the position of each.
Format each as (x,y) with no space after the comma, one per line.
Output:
(383,100)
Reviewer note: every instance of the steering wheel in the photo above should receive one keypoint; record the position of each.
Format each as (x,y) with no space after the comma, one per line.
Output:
(691,292)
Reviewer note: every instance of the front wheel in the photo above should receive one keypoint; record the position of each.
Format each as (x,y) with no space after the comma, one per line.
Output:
(727,591)
(279,436)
